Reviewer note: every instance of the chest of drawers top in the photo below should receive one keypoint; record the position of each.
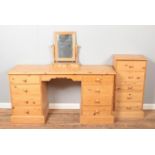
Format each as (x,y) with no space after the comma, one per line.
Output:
(129,57)
(50,70)
(129,63)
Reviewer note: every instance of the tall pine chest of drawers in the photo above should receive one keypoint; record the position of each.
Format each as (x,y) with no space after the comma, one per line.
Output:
(129,85)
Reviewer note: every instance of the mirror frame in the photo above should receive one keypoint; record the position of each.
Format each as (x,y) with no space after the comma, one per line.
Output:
(56,55)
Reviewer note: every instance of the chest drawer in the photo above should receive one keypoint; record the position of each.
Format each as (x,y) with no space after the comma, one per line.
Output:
(128,96)
(24,79)
(135,77)
(27,111)
(128,108)
(22,91)
(131,65)
(129,86)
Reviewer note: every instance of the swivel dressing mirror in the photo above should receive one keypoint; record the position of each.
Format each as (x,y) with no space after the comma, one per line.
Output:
(65,46)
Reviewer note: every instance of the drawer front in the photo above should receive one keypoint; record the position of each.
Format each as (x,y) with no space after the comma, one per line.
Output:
(128,108)
(27,111)
(24,79)
(96,112)
(134,77)
(25,91)
(129,86)
(131,66)
(98,79)
(96,108)
(128,97)
(128,104)
(26,101)
(97,99)
(92,79)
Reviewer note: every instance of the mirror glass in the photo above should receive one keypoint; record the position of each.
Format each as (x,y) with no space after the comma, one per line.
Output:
(65,46)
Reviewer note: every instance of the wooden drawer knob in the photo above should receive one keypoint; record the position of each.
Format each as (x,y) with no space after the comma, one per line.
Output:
(131,67)
(34,102)
(138,77)
(97,101)
(27,112)
(25,81)
(96,112)
(27,102)
(26,91)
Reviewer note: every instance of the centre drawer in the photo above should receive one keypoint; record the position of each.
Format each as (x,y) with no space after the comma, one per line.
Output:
(122,96)
(131,65)
(25,91)
(27,111)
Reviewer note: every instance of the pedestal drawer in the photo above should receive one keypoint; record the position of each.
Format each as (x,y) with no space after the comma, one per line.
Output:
(27,111)
(26,101)
(23,91)
(24,79)
(96,110)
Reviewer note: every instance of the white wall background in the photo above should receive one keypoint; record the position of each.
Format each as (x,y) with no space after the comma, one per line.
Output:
(31,45)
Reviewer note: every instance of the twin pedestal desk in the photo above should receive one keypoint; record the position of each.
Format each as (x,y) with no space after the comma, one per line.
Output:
(107,92)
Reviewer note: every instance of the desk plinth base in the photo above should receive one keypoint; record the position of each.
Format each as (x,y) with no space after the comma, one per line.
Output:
(28,119)
(129,115)
(101,120)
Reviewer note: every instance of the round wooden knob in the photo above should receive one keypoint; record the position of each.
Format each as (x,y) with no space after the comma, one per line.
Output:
(131,67)
(25,91)
(34,102)
(27,112)
(25,81)
(97,101)
(27,102)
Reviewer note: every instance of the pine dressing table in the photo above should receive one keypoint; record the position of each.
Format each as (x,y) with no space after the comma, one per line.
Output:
(28,85)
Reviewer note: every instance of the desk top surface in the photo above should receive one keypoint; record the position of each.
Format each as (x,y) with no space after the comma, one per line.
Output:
(49,69)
